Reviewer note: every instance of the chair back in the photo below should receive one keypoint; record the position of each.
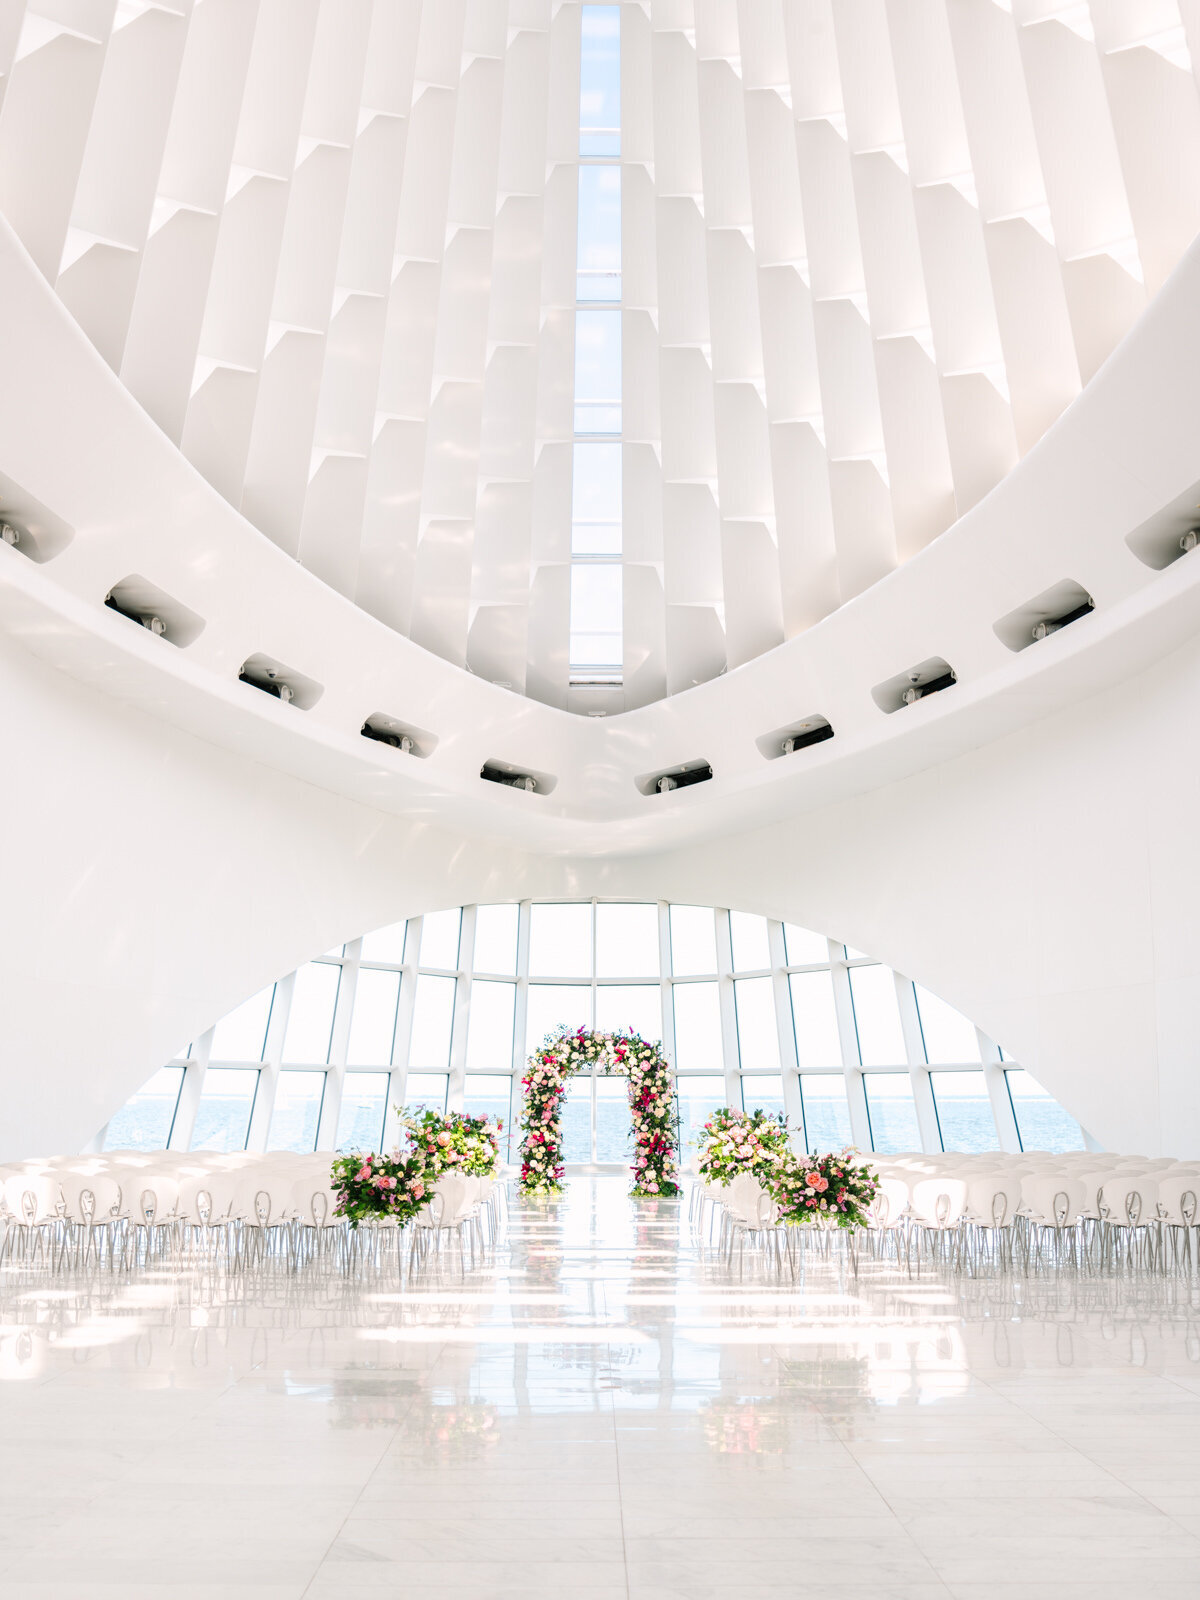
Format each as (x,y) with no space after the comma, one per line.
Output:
(1053,1199)
(313,1201)
(455,1197)
(939,1202)
(90,1200)
(1131,1201)
(741,1198)
(992,1199)
(32,1196)
(1177,1199)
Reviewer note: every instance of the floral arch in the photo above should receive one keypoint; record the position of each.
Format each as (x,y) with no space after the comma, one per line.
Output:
(651,1107)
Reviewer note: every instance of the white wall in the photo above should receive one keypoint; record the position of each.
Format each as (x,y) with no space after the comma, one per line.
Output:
(1045,884)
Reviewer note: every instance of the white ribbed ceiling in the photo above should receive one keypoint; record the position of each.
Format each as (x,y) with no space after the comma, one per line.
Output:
(871,249)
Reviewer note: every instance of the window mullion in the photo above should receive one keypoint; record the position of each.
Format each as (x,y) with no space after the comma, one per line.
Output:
(456,1087)
(402,1042)
(730,1054)
(335,1077)
(856,1096)
(268,1076)
(184,1125)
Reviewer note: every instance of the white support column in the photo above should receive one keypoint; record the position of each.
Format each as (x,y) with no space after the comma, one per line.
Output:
(665,988)
(728,1004)
(789,1063)
(184,1125)
(335,1077)
(997,1088)
(914,1048)
(520,1021)
(268,1077)
(860,1122)
(456,1087)
(404,1022)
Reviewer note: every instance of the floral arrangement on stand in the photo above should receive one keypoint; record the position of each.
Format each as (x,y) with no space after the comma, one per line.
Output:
(733,1142)
(834,1190)
(398,1184)
(455,1141)
(395,1185)
(651,1107)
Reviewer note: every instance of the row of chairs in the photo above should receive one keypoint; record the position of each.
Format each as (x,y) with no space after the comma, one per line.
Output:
(1101,1212)
(129,1207)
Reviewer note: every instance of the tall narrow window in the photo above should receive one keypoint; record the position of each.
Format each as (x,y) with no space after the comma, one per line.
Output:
(597,577)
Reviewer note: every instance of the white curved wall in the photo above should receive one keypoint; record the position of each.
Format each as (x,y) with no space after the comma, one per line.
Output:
(1044,884)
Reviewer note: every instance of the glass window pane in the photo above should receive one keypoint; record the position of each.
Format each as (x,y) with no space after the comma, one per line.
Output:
(597,371)
(223,1115)
(433,1020)
(296,1114)
(596,510)
(1041,1121)
(627,941)
(310,1017)
(599,235)
(814,1016)
(804,948)
(364,1107)
(826,1111)
(426,1089)
(496,938)
(596,615)
(600,81)
(144,1122)
(490,1025)
(560,941)
(763,1092)
(964,1111)
(758,1037)
(373,1025)
(576,1123)
(385,944)
(877,1017)
(698,1099)
(693,941)
(948,1034)
(892,1111)
(489,1095)
(632,1007)
(697,1026)
(748,935)
(614,1131)
(439,939)
(553,1006)
(242,1035)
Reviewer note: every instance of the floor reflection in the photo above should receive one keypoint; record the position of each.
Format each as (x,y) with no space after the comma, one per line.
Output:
(601,1361)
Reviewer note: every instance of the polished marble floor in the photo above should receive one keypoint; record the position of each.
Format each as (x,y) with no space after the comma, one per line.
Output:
(601,1410)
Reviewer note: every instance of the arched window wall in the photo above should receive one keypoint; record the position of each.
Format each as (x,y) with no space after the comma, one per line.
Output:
(442,1009)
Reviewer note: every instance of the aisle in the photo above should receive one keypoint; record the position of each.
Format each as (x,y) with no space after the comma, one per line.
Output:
(599,1412)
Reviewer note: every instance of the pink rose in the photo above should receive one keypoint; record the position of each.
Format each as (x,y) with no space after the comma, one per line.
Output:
(443,1139)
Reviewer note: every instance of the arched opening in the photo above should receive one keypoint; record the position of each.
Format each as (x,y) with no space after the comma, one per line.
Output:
(443,1009)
